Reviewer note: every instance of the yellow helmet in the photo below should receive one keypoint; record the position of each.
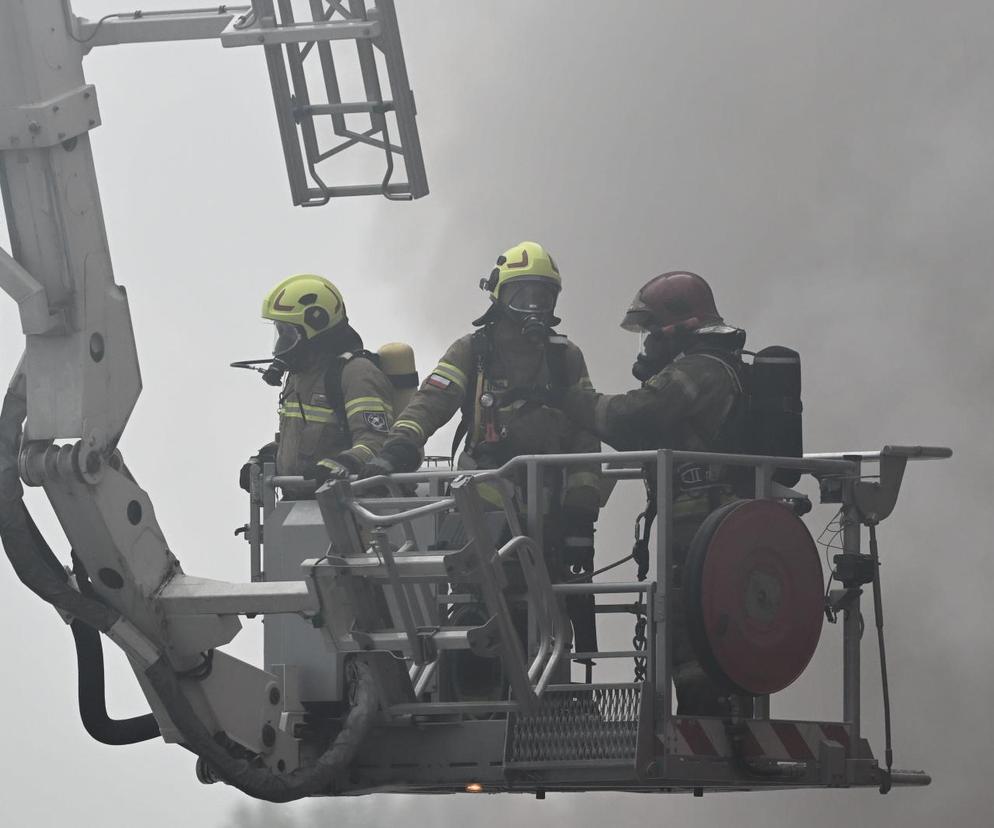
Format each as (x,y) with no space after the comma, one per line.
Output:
(303,307)
(527,260)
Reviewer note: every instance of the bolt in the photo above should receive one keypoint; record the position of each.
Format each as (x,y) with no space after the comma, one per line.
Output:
(92,122)
(268,735)
(55,108)
(34,127)
(62,136)
(86,95)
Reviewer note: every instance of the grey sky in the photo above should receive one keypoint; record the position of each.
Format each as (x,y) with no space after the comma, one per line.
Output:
(826,164)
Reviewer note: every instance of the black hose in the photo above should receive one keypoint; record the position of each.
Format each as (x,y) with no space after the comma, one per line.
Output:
(39,570)
(878,613)
(92,706)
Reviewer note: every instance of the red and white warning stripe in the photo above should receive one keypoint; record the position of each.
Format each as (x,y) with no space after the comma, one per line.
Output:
(778,740)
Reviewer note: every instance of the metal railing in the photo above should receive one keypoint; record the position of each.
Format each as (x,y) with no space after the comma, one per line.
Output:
(548,646)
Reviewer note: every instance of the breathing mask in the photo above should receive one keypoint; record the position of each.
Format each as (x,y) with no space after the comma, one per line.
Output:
(289,343)
(658,350)
(531,303)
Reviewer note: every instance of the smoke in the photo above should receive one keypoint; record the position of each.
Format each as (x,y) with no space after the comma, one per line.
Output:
(825,164)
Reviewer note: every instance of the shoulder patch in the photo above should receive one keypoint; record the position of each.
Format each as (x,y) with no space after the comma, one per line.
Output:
(376,420)
(438,381)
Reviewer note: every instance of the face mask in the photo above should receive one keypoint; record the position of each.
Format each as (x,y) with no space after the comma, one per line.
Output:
(535,329)
(658,351)
(532,304)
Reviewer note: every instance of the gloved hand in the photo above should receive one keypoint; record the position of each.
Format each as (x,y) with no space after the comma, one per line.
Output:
(266,454)
(326,469)
(397,455)
(375,467)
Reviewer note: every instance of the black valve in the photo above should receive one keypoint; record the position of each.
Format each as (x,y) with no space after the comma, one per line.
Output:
(854,570)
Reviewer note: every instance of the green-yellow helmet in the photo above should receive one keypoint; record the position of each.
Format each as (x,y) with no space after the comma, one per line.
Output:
(527,260)
(303,307)
(310,302)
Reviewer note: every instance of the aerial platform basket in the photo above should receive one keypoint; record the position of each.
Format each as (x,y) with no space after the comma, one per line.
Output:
(548,732)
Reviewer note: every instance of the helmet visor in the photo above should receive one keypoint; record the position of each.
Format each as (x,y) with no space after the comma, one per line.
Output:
(530,297)
(638,320)
(285,338)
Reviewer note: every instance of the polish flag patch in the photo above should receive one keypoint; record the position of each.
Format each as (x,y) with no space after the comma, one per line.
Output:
(438,381)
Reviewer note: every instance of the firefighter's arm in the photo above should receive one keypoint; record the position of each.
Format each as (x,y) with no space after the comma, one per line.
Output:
(582,492)
(368,407)
(432,406)
(439,397)
(640,418)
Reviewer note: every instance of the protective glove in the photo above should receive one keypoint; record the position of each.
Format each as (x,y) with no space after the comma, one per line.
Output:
(376,467)
(266,454)
(397,455)
(326,469)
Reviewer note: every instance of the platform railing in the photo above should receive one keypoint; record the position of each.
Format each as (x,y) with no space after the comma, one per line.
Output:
(840,472)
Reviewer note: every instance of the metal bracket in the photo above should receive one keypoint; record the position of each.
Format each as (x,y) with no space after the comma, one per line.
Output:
(51,122)
(876,499)
(32,299)
(266,32)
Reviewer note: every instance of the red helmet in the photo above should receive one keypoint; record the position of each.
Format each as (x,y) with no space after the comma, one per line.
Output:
(672,302)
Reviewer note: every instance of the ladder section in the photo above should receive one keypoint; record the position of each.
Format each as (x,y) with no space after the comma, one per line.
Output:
(313,48)
(375,597)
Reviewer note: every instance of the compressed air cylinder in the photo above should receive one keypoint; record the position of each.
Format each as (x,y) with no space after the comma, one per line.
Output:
(397,362)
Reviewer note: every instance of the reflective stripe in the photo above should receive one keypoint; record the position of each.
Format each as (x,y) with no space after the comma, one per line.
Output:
(451,372)
(359,404)
(410,425)
(491,494)
(580,479)
(311,413)
(366,450)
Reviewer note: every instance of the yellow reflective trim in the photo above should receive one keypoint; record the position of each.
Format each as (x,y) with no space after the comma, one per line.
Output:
(578,479)
(363,449)
(325,416)
(410,425)
(367,404)
(451,372)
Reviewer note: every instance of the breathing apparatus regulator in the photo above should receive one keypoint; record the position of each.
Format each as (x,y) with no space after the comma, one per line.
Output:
(523,288)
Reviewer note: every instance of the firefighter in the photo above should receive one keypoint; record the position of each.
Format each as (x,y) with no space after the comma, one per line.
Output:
(485,375)
(335,406)
(692,383)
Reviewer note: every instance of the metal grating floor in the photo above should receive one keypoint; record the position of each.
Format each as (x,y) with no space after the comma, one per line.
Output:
(585,723)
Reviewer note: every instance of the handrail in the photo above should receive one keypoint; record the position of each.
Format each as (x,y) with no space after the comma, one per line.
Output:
(812,463)
(908,452)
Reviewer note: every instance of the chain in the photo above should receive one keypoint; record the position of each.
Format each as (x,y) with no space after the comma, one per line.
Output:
(639,643)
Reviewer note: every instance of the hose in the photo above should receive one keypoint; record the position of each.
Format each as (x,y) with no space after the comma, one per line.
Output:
(39,570)
(92,706)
